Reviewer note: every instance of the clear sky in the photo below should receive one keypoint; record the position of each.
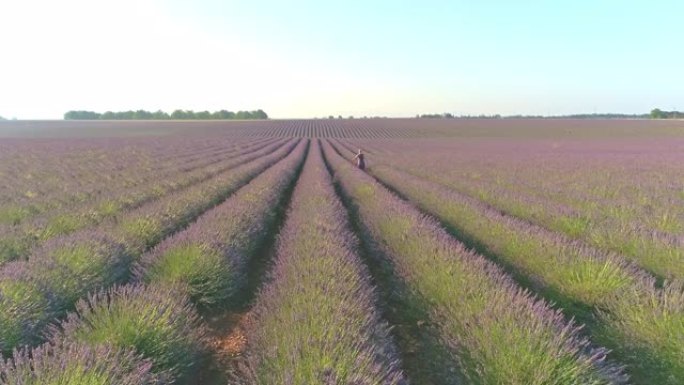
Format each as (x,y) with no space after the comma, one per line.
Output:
(315,58)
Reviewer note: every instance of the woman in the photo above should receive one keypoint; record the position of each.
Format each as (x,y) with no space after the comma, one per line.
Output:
(360,163)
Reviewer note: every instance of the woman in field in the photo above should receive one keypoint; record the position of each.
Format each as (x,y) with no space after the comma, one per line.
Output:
(360,163)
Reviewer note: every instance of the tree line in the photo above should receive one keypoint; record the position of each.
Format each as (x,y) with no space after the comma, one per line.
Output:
(657,113)
(654,114)
(161,115)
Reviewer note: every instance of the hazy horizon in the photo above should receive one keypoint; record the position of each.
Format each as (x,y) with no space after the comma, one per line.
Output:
(308,59)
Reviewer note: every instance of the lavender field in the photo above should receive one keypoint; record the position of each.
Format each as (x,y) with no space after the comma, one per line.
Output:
(469,251)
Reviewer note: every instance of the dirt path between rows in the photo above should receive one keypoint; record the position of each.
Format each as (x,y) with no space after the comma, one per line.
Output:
(227,343)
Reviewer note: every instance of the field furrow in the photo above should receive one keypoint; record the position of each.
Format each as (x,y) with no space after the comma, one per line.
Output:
(48,284)
(211,255)
(468,251)
(600,289)
(320,292)
(164,326)
(491,331)
(18,241)
(600,226)
(57,179)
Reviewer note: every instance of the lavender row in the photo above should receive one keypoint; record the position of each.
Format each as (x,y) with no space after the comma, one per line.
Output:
(79,166)
(338,128)
(118,190)
(46,285)
(316,321)
(18,241)
(492,331)
(50,179)
(611,294)
(133,182)
(75,363)
(210,257)
(578,274)
(159,321)
(638,217)
(132,334)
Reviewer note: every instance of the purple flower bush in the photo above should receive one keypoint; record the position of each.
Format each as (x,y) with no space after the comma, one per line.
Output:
(68,268)
(18,241)
(493,330)
(316,321)
(157,322)
(69,363)
(210,256)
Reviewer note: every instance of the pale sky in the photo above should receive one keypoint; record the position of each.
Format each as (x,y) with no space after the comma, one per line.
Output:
(316,58)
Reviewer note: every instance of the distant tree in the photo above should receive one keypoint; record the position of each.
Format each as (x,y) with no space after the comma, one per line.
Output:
(178,114)
(202,115)
(431,116)
(259,114)
(87,115)
(1,118)
(160,115)
(656,113)
(242,115)
(224,114)
(142,114)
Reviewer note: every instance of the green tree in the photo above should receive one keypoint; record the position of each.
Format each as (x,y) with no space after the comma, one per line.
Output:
(88,115)
(142,114)
(203,115)
(178,114)
(259,114)
(160,115)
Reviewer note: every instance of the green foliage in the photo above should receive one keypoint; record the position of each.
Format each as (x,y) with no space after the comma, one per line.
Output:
(12,248)
(145,231)
(64,363)
(60,225)
(12,215)
(473,304)
(161,115)
(157,322)
(657,113)
(203,271)
(445,115)
(83,115)
(650,324)
(20,300)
